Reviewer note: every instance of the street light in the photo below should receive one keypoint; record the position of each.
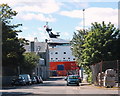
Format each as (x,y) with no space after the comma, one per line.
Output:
(83,20)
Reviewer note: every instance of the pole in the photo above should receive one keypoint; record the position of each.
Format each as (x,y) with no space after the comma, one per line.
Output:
(83,20)
(18,70)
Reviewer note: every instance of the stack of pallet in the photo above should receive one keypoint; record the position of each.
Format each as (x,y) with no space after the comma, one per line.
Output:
(100,78)
(109,78)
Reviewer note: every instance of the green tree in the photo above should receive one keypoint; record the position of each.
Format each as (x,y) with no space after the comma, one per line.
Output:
(77,45)
(6,13)
(30,62)
(12,47)
(101,42)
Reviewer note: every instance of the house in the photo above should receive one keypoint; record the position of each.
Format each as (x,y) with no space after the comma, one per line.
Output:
(41,49)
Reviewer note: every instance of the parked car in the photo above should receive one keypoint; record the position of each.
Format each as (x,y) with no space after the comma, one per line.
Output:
(27,78)
(65,78)
(34,80)
(18,81)
(80,80)
(39,79)
(72,79)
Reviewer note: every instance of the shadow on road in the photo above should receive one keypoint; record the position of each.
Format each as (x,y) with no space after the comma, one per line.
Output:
(51,84)
(15,93)
(84,84)
(55,78)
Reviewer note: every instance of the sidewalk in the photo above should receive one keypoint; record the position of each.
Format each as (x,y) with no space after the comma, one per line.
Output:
(103,87)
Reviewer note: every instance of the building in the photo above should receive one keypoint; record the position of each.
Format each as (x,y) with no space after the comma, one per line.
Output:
(41,49)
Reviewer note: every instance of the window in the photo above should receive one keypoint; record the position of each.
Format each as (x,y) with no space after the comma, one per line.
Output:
(56,52)
(38,48)
(51,52)
(64,52)
(68,58)
(63,58)
(56,58)
(73,58)
(51,58)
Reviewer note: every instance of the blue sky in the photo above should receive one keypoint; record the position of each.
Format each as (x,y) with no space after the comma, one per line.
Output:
(65,16)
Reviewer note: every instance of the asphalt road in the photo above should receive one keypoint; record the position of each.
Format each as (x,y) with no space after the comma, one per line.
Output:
(57,85)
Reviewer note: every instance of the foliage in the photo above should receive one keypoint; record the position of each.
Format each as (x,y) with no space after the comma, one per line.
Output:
(77,44)
(89,78)
(100,42)
(6,13)
(12,46)
(30,62)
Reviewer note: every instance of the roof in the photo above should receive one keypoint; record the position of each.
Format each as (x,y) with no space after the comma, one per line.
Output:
(36,47)
(57,40)
(40,46)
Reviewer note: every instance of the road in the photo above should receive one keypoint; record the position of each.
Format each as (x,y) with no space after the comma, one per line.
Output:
(57,86)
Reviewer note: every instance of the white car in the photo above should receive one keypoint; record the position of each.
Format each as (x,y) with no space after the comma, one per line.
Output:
(27,78)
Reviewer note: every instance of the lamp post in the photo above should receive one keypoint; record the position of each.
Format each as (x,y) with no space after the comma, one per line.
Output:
(84,20)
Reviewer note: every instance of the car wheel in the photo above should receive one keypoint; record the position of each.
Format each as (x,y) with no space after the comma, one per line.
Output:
(67,84)
(78,84)
(80,81)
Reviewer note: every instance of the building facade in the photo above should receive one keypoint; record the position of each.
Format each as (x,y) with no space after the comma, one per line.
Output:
(41,49)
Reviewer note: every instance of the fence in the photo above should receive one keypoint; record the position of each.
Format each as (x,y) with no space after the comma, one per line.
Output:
(102,67)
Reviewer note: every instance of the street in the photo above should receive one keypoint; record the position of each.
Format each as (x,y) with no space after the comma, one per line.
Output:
(57,85)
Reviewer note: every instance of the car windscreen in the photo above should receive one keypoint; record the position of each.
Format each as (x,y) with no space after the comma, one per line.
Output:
(73,77)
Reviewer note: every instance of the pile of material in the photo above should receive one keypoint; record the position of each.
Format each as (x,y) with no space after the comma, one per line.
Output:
(109,78)
(101,79)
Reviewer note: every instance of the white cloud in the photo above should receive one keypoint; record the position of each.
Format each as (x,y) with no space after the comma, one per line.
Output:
(46,6)
(73,14)
(40,29)
(27,7)
(94,14)
(10,2)
(25,28)
(41,36)
(65,35)
(40,17)
(88,0)
(78,28)
(101,14)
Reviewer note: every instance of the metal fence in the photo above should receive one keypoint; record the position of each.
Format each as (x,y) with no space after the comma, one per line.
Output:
(102,67)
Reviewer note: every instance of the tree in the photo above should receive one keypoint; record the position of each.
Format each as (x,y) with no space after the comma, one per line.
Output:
(30,62)
(12,47)
(101,42)
(77,45)
(6,13)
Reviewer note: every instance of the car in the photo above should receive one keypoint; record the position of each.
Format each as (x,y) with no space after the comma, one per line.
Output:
(34,80)
(39,79)
(27,78)
(65,78)
(18,81)
(72,79)
(80,80)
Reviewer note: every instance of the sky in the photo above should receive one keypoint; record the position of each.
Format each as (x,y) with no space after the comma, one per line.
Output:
(63,16)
